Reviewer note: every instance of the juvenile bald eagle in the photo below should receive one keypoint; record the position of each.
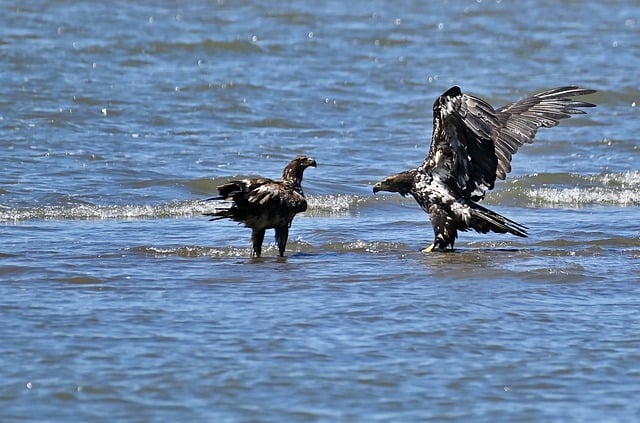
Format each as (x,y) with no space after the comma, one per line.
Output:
(262,203)
(472,145)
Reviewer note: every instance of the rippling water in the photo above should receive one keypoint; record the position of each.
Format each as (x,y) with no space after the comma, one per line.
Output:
(121,302)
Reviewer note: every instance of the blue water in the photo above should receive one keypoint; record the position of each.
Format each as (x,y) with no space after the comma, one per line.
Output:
(120,301)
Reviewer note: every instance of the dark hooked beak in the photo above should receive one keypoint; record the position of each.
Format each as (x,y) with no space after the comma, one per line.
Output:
(377,187)
(312,163)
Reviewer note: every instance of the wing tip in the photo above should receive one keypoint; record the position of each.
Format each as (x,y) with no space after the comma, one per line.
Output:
(452,92)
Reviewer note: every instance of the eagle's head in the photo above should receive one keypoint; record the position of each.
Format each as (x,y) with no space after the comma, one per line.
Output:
(295,168)
(401,183)
(305,161)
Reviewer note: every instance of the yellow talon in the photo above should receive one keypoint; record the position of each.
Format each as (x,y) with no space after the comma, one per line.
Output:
(429,249)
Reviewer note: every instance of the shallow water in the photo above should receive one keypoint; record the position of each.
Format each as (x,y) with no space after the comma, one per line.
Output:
(120,301)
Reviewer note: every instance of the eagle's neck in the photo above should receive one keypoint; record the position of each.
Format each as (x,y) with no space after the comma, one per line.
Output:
(404,181)
(293,174)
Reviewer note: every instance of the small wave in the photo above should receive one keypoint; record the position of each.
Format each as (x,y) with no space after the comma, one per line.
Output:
(584,197)
(333,205)
(324,205)
(80,280)
(570,190)
(192,251)
(616,189)
(90,211)
(620,189)
(623,180)
(270,250)
(360,246)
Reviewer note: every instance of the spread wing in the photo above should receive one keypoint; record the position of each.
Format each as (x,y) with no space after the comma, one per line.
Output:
(472,143)
(462,148)
(521,120)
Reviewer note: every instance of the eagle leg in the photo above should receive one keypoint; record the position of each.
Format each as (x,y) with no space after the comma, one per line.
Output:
(282,234)
(429,249)
(257,236)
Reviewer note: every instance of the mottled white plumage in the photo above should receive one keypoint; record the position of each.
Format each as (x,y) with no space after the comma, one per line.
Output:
(472,145)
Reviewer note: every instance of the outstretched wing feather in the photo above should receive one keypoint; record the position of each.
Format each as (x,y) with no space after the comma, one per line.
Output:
(475,143)
(462,144)
(521,120)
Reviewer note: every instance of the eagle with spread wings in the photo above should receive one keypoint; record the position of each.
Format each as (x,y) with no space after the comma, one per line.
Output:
(263,203)
(472,146)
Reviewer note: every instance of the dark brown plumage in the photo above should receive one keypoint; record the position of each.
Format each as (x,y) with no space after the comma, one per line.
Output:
(402,183)
(262,203)
(472,145)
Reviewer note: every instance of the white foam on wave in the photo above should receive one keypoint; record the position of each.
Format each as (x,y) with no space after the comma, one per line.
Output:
(90,211)
(629,179)
(332,204)
(620,189)
(323,205)
(193,251)
(586,196)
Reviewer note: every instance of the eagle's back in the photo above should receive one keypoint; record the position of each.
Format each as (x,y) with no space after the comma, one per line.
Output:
(261,202)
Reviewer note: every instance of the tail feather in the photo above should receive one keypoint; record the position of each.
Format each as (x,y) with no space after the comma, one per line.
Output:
(484,220)
(214,199)
(216,215)
(219,213)
(226,197)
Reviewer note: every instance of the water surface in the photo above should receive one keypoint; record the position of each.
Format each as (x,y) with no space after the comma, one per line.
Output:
(121,302)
